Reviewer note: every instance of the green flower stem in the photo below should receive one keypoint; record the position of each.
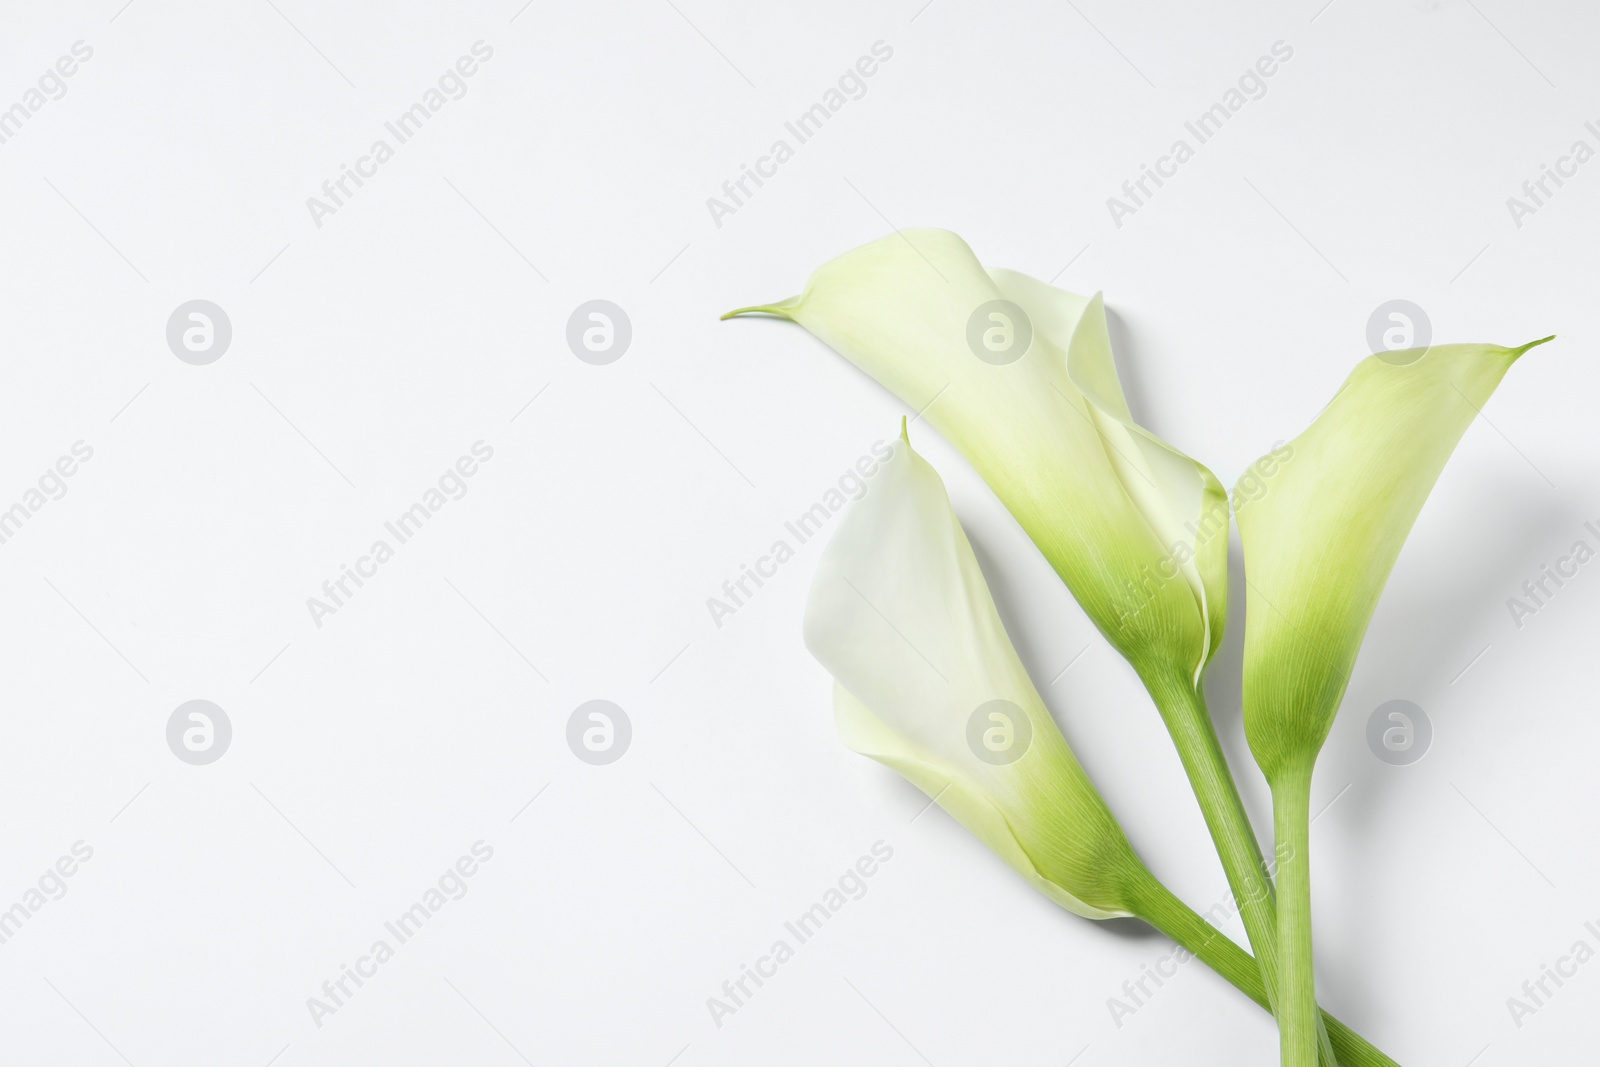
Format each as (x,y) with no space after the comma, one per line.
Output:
(1291,817)
(1183,709)
(1156,905)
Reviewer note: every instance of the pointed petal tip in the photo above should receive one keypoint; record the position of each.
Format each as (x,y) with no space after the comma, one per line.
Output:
(778,310)
(904,436)
(1532,344)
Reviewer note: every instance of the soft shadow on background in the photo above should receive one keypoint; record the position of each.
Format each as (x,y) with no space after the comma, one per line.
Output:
(1128,367)
(1443,624)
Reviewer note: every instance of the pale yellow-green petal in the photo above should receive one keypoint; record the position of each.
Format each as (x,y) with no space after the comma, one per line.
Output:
(1129,523)
(901,616)
(1326,529)
(862,731)
(1180,498)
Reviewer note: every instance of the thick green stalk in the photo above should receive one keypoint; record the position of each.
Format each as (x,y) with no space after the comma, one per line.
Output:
(1297,1001)
(1183,709)
(1156,905)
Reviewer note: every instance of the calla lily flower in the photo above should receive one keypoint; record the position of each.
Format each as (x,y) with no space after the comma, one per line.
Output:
(1320,539)
(1326,529)
(928,683)
(1020,377)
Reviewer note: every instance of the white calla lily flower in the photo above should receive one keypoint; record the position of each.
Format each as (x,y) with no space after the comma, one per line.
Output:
(1320,542)
(928,683)
(1019,376)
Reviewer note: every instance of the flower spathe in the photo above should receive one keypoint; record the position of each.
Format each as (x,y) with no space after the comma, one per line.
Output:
(928,683)
(900,615)
(1136,529)
(1322,538)
(1320,541)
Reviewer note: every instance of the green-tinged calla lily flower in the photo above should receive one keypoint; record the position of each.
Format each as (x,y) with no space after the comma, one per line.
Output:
(1020,377)
(1320,538)
(928,683)
(1324,533)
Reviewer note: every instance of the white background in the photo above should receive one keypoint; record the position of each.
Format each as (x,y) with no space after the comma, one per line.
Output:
(372,351)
